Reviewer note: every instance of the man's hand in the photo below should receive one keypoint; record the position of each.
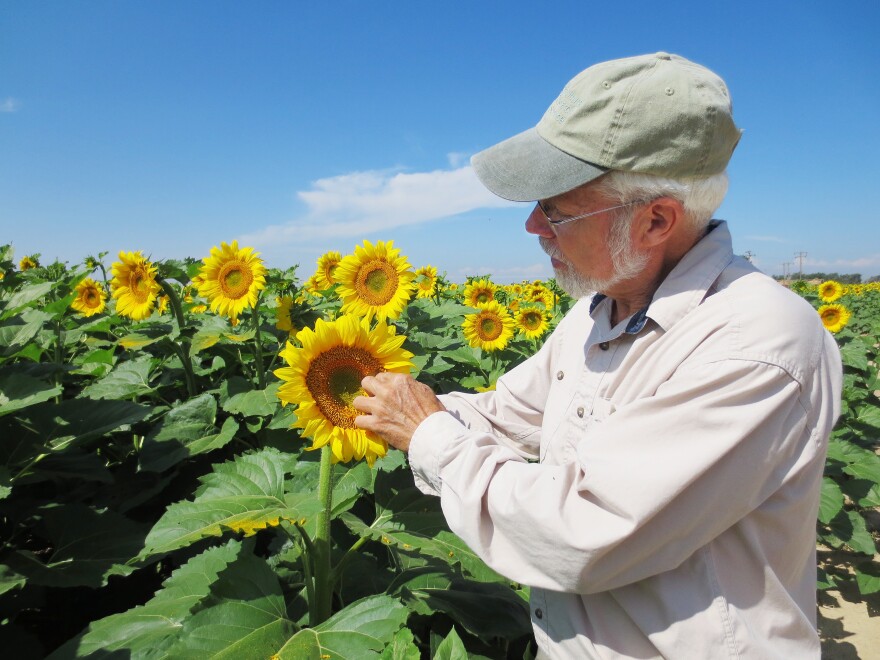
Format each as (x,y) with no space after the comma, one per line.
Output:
(396,407)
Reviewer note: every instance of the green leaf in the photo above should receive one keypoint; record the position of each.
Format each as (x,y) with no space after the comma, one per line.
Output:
(870,416)
(137,340)
(824,580)
(185,430)
(19,391)
(149,629)
(77,420)
(868,577)
(831,500)
(464,355)
(87,547)
(5,482)
(129,379)
(866,467)
(244,617)
(10,580)
(402,647)
(855,354)
(15,336)
(258,403)
(244,495)
(349,487)
(850,527)
(28,294)
(205,338)
(361,630)
(484,609)
(72,463)
(451,648)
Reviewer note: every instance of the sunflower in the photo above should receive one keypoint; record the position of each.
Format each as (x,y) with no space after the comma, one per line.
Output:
(537,292)
(479,292)
(532,322)
(134,285)
(162,304)
(830,291)
(324,376)
(834,317)
(325,275)
(27,263)
(199,309)
(282,314)
(231,279)
(426,286)
(375,281)
(90,298)
(490,328)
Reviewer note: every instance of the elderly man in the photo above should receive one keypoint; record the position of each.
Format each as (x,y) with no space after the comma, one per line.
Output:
(653,472)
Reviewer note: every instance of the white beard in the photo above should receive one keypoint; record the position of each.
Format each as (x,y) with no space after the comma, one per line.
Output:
(626,264)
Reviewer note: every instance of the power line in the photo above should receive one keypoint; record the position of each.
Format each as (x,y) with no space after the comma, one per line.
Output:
(800,256)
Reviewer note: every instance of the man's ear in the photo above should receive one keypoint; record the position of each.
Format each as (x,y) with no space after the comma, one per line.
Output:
(658,222)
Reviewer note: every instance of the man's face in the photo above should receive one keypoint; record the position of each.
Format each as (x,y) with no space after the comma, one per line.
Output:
(588,255)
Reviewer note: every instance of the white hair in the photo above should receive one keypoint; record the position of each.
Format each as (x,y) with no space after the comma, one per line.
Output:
(700,197)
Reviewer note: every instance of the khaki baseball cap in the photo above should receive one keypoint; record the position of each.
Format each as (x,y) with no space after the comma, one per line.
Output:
(654,114)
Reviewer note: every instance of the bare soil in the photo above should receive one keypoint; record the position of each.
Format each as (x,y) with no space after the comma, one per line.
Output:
(849,625)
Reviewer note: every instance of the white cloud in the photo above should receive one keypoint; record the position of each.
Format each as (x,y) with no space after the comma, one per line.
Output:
(351,205)
(870,261)
(508,274)
(9,104)
(457,159)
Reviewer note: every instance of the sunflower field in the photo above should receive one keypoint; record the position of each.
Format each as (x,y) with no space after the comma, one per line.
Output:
(181,475)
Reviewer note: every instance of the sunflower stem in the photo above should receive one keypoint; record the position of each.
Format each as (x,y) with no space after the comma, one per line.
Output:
(321,556)
(258,346)
(183,342)
(59,342)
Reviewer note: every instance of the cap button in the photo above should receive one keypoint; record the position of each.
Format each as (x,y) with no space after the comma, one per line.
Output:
(664,56)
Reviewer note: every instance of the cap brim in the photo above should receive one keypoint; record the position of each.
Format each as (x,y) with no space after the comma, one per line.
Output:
(526,168)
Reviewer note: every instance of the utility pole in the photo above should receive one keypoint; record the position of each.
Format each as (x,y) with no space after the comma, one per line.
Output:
(800,256)
(785,269)
(748,255)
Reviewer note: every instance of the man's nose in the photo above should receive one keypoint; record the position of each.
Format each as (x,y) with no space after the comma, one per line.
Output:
(537,224)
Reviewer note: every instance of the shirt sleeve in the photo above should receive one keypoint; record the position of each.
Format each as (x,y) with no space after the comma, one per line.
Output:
(512,414)
(653,482)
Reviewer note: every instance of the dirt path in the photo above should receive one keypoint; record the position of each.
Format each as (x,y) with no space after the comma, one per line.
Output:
(849,630)
(848,626)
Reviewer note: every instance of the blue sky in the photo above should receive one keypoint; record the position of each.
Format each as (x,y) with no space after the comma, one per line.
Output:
(298,128)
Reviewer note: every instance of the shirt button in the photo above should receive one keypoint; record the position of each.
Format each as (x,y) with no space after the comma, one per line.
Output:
(604,345)
(580,411)
(560,375)
(539,613)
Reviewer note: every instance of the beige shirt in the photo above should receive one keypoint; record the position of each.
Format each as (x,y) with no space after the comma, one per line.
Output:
(657,489)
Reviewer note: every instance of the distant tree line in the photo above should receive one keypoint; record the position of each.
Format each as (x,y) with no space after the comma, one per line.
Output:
(850,278)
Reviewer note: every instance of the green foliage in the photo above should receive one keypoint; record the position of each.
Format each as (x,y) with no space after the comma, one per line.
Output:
(156,503)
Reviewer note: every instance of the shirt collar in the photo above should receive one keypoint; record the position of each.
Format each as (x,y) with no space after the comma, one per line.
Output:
(687,284)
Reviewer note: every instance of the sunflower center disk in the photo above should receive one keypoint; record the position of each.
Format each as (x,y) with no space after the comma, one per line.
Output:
(376,282)
(490,327)
(334,380)
(235,279)
(139,287)
(531,321)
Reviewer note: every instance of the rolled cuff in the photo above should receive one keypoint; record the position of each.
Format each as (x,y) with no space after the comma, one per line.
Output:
(432,437)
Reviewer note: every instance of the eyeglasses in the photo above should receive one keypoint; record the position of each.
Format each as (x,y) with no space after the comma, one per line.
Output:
(562,221)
